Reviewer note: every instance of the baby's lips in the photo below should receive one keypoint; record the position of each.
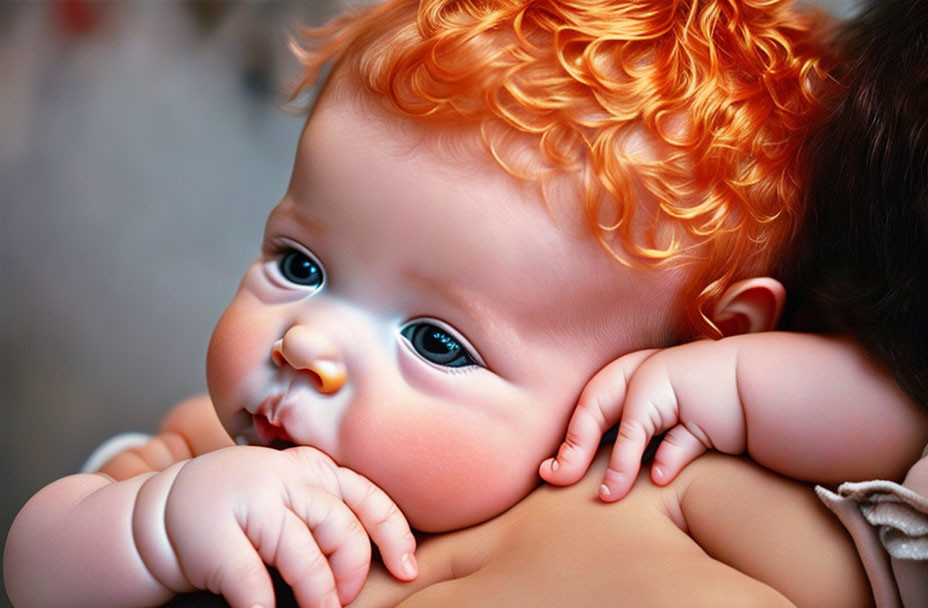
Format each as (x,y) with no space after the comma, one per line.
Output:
(268,432)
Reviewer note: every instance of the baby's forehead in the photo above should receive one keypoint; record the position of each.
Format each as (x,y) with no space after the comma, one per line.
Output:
(520,154)
(532,251)
(463,141)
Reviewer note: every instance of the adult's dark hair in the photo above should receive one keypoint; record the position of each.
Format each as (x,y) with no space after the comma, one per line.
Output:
(863,265)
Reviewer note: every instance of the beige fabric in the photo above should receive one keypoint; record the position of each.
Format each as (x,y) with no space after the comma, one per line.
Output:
(889,525)
(875,560)
(900,515)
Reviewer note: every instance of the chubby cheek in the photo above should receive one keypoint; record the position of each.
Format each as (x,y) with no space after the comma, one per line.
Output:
(237,347)
(444,471)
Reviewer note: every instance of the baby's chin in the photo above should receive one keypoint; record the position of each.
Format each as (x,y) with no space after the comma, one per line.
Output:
(457,509)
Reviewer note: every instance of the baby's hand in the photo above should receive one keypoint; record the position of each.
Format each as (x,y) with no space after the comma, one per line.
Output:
(213,522)
(690,391)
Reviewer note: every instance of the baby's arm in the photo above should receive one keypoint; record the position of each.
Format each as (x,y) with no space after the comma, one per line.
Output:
(72,545)
(208,523)
(190,429)
(808,406)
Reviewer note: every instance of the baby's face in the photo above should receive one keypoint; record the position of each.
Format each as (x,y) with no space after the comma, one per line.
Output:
(421,319)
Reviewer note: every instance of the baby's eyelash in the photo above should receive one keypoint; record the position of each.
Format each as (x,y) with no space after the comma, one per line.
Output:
(441,345)
(294,266)
(279,245)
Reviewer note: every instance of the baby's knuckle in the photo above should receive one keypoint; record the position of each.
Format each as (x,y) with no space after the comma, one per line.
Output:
(317,563)
(374,499)
(316,466)
(572,442)
(353,571)
(371,492)
(353,527)
(384,512)
(241,575)
(629,428)
(597,411)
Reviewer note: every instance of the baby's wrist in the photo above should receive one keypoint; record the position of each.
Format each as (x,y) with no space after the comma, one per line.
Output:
(149,529)
(111,448)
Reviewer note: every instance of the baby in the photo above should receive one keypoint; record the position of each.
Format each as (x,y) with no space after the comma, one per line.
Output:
(422,317)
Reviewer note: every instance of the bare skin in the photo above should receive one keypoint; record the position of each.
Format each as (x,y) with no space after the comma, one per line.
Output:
(793,402)
(660,546)
(191,428)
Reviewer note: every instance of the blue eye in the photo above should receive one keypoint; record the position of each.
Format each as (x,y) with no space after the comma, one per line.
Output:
(300,269)
(437,345)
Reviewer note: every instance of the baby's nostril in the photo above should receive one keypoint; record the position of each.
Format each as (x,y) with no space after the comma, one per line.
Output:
(277,354)
(328,376)
(317,380)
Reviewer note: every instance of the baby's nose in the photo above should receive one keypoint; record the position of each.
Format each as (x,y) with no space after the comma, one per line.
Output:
(306,350)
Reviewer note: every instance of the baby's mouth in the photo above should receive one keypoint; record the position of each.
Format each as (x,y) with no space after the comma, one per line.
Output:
(270,434)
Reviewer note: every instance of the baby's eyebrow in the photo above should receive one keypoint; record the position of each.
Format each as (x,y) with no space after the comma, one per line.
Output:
(448,291)
(290,213)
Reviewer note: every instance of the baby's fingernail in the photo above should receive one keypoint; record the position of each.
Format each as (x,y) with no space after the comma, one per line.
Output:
(554,465)
(658,473)
(410,567)
(604,491)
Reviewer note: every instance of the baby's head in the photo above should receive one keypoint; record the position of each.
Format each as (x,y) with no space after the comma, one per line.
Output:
(439,282)
(672,127)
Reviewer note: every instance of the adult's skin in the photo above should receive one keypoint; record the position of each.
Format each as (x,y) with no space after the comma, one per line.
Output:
(725,533)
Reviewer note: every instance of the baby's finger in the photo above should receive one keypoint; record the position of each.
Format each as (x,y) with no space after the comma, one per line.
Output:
(625,461)
(573,458)
(228,565)
(301,560)
(598,409)
(332,556)
(678,448)
(383,521)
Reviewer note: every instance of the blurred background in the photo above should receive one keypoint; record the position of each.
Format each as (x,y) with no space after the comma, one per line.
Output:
(141,146)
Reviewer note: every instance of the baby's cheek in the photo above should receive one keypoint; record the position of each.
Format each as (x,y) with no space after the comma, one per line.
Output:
(444,472)
(235,349)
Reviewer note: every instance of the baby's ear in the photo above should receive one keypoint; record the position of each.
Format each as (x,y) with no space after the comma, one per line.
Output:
(750,306)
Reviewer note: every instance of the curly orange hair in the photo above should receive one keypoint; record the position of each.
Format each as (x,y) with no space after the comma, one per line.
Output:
(699,107)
